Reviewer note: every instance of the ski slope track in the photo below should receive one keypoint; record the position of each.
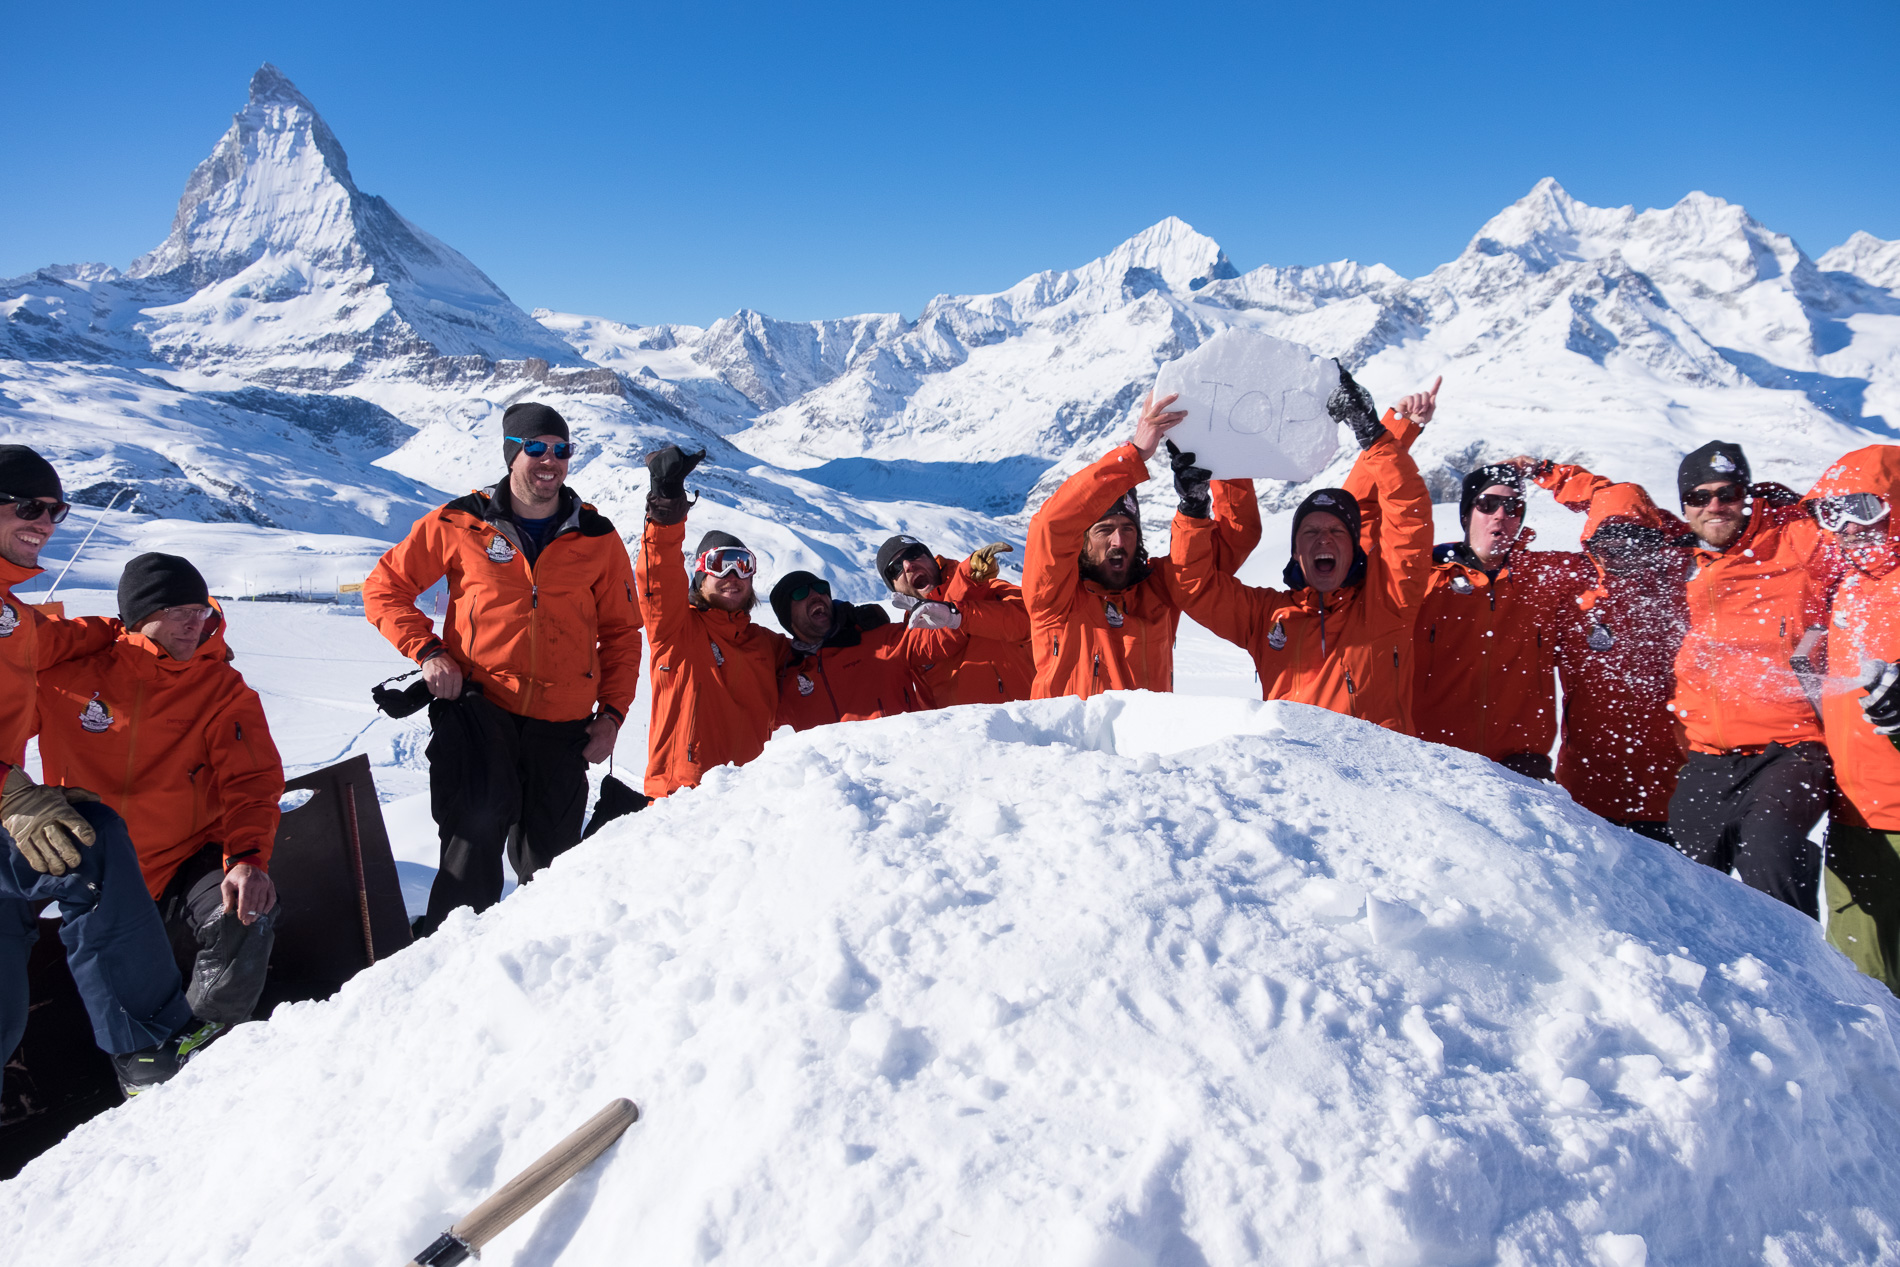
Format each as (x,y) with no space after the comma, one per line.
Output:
(1145,980)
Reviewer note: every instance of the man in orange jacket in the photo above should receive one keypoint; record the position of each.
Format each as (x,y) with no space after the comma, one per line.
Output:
(996,667)
(1485,639)
(59,843)
(542,630)
(1102,614)
(1339,637)
(172,738)
(839,670)
(1758,777)
(715,672)
(1853,503)
(1616,651)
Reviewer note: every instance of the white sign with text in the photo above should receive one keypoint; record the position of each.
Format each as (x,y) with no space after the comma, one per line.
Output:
(1256,406)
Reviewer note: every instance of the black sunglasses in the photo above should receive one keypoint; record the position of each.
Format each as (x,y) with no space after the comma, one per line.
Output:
(1492,503)
(535,448)
(1727,494)
(897,564)
(31,508)
(804,592)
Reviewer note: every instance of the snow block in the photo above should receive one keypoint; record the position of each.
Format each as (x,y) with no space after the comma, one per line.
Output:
(1143,979)
(1256,406)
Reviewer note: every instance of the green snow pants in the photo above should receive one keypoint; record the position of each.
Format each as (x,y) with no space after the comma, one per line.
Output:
(1863,899)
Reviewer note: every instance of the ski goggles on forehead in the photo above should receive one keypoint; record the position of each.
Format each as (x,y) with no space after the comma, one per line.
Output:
(1727,494)
(31,508)
(727,561)
(1835,513)
(1492,503)
(535,448)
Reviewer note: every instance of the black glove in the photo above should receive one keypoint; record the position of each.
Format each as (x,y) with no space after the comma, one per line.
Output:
(666,490)
(1191,483)
(869,616)
(1774,494)
(1352,405)
(1882,702)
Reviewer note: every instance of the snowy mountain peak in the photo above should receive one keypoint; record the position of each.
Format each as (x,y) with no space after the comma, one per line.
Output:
(1183,258)
(1875,261)
(273,223)
(1548,227)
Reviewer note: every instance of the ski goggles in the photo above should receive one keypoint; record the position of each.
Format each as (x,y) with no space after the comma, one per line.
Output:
(805,591)
(1492,503)
(31,508)
(1835,513)
(535,448)
(1727,494)
(727,561)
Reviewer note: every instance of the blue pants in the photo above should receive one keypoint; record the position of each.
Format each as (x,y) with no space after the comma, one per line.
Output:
(116,945)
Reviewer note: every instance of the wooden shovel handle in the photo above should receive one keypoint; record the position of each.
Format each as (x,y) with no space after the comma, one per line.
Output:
(554,1168)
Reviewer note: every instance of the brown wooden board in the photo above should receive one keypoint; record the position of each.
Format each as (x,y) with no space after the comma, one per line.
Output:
(59,1077)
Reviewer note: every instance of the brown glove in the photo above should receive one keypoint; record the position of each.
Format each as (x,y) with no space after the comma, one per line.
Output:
(983,562)
(41,820)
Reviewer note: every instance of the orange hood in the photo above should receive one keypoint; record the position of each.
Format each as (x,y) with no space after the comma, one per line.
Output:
(1874,469)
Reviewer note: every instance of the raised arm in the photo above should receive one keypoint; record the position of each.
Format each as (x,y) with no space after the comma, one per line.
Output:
(660,582)
(1207,593)
(1050,579)
(409,567)
(1395,522)
(1236,523)
(992,608)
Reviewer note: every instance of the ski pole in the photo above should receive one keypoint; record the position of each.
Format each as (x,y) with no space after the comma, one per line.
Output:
(86,539)
(529,1188)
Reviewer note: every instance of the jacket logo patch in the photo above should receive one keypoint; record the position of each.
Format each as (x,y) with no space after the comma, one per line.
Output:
(1462,585)
(805,685)
(719,657)
(9,620)
(499,550)
(1276,636)
(1113,615)
(1600,639)
(96,716)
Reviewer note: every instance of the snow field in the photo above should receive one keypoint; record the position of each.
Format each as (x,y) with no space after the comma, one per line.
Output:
(1146,980)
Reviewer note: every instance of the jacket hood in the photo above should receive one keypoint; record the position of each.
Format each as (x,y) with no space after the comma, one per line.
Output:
(1622,504)
(1874,469)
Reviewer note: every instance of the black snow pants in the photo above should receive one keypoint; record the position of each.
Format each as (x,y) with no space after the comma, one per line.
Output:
(499,782)
(1752,812)
(223,960)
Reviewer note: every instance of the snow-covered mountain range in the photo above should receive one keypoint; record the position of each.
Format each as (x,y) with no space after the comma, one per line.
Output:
(297,354)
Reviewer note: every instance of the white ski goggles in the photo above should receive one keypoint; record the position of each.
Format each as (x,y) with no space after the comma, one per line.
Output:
(727,560)
(1835,513)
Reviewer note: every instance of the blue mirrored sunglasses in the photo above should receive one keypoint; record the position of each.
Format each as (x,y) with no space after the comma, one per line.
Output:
(535,448)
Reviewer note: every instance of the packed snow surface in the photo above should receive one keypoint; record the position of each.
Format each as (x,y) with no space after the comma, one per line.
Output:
(1143,980)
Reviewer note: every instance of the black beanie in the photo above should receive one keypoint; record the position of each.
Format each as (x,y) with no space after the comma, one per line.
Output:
(893,550)
(782,595)
(1345,507)
(1716,460)
(24,473)
(528,420)
(1482,478)
(153,582)
(1128,506)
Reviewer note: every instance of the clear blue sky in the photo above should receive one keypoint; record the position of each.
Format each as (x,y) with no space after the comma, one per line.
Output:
(677,162)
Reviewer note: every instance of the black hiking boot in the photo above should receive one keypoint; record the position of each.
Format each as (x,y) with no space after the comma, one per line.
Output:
(141,1070)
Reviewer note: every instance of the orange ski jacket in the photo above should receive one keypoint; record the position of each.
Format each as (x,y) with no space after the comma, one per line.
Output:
(1749,608)
(858,675)
(1086,639)
(1347,651)
(996,666)
(558,641)
(31,642)
(1863,624)
(715,679)
(1616,658)
(1486,648)
(180,748)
